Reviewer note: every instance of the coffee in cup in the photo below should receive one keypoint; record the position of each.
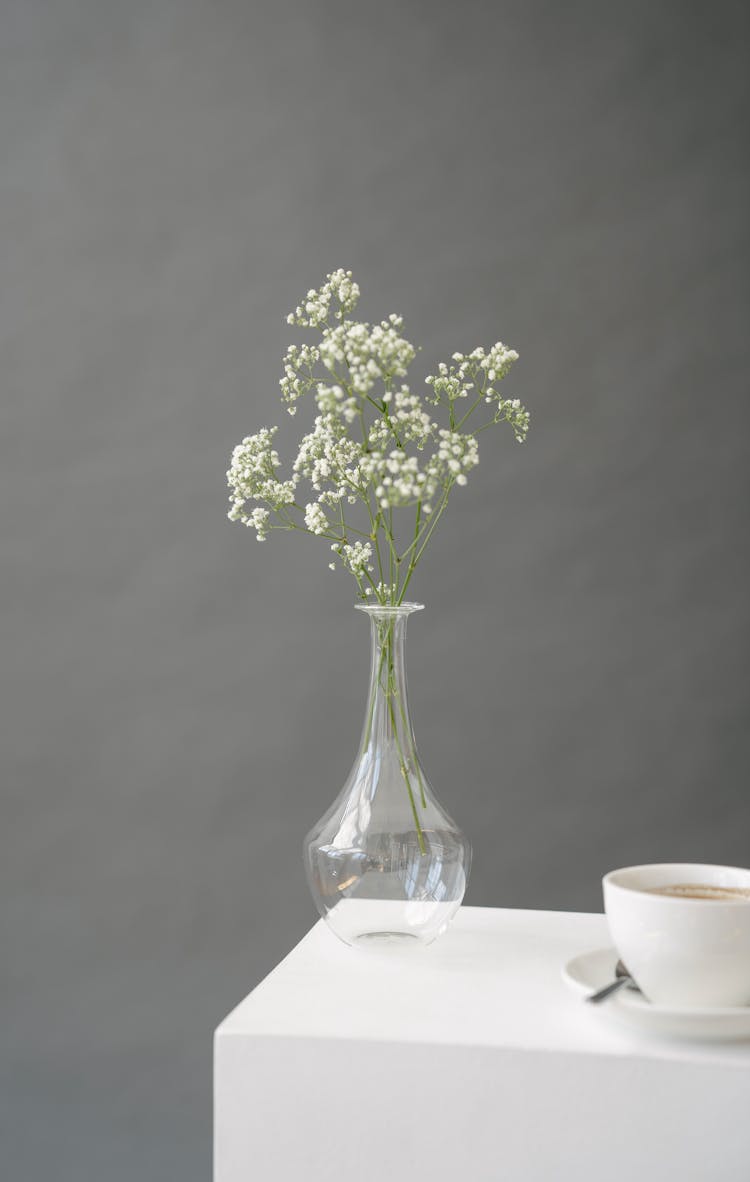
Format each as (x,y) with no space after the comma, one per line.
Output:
(701,890)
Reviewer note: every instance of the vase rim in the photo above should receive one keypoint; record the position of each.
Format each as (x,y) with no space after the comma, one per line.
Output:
(386,611)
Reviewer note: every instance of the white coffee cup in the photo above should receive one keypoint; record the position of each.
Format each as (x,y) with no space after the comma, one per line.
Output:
(686,953)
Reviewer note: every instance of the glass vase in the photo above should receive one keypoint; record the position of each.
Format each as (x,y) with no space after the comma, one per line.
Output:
(387,864)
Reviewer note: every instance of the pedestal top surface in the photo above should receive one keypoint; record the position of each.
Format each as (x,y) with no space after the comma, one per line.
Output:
(493,980)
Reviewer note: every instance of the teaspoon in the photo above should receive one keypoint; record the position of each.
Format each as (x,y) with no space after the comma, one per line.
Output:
(622,978)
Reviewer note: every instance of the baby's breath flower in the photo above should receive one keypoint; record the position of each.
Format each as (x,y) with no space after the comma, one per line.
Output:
(370,353)
(357,558)
(315,519)
(374,444)
(318,306)
(472,375)
(406,419)
(397,478)
(258,519)
(327,454)
(448,385)
(329,398)
(386,592)
(511,411)
(252,475)
(498,361)
(456,454)
(299,362)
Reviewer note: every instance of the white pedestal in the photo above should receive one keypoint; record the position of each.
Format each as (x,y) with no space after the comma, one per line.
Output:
(466,1060)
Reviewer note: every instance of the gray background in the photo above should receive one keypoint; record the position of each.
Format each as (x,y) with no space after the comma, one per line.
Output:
(180,704)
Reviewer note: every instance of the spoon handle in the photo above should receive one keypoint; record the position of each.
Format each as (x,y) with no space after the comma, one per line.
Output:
(608,990)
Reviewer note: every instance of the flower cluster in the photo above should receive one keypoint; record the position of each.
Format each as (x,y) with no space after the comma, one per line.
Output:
(299,363)
(497,362)
(317,308)
(374,444)
(385,592)
(477,375)
(404,418)
(509,410)
(357,559)
(333,400)
(449,384)
(397,479)
(253,477)
(315,519)
(258,519)
(327,453)
(370,353)
(456,455)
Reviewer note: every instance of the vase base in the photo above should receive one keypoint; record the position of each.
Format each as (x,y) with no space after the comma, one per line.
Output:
(371,938)
(390,923)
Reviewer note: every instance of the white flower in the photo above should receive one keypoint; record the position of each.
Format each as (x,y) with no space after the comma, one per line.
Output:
(471,372)
(386,592)
(329,398)
(252,475)
(315,519)
(457,453)
(373,442)
(407,420)
(510,411)
(299,363)
(498,361)
(339,289)
(394,476)
(355,558)
(259,520)
(370,353)
(328,454)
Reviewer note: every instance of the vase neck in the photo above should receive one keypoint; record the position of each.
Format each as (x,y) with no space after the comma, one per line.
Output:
(387,721)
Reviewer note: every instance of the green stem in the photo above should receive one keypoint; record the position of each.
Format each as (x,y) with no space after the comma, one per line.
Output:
(470,411)
(390,543)
(405,774)
(423,530)
(365,444)
(412,748)
(479,430)
(373,697)
(413,562)
(418,553)
(390,694)
(433,523)
(373,534)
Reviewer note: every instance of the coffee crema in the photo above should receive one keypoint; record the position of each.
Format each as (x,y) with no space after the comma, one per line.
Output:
(702,890)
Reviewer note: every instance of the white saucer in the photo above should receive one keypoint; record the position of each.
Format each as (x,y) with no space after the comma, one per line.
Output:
(586,973)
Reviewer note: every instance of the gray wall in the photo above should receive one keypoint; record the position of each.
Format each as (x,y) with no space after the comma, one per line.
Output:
(181,704)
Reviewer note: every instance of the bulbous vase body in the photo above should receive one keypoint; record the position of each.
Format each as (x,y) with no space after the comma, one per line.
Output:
(387,864)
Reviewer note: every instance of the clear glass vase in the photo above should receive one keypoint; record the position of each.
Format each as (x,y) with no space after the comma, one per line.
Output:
(387,863)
